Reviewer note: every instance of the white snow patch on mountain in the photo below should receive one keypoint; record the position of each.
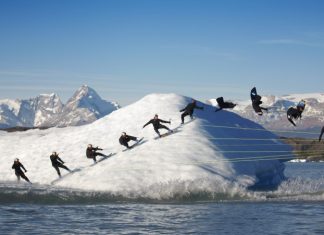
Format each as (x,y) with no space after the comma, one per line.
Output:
(47,110)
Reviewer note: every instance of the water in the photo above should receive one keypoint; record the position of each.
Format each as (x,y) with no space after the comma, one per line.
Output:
(295,207)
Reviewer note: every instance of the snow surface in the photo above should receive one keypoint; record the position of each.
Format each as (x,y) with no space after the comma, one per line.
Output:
(189,161)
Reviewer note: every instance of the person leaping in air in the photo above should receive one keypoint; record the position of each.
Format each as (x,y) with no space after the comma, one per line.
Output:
(92,153)
(295,113)
(58,162)
(256,101)
(224,105)
(124,139)
(189,109)
(18,172)
(156,122)
(320,137)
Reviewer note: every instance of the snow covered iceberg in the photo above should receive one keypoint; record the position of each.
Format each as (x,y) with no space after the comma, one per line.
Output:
(215,153)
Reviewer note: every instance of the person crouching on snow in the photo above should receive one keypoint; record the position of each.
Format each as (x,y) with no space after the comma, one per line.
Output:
(189,109)
(124,139)
(92,153)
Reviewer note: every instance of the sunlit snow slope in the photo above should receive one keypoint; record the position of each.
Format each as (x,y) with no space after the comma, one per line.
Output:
(199,157)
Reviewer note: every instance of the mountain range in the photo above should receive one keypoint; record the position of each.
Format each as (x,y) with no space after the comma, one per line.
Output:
(47,110)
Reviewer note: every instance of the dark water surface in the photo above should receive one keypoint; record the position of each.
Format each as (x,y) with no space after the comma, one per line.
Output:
(296,207)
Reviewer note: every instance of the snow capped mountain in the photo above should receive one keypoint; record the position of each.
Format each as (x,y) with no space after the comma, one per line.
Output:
(276,117)
(199,158)
(85,106)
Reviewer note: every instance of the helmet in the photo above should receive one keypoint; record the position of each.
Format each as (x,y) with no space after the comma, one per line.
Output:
(156,116)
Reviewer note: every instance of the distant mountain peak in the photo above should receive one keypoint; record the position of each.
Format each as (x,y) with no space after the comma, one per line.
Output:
(85,106)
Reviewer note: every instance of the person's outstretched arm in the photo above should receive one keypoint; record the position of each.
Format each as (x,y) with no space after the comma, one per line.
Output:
(149,122)
(60,160)
(164,121)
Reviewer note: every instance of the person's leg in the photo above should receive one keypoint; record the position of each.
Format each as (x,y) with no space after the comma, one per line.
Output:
(133,138)
(57,170)
(290,120)
(183,116)
(320,137)
(24,177)
(165,127)
(100,154)
(157,131)
(125,144)
(18,176)
(64,167)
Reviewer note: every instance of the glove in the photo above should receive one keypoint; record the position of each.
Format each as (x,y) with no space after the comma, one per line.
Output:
(25,171)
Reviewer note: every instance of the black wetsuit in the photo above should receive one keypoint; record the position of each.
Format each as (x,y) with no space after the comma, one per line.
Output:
(92,153)
(188,110)
(322,132)
(124,139)
(294,113)
(256,102)
(224,105)
(58,162)
(19,173)
(157,125)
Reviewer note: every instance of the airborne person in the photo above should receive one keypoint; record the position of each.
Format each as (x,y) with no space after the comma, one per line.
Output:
(256,101)
(295,113)
(92,153)
(58,162)
(124,139)
(19,173)
(189,109)
(156,122)
(224,105)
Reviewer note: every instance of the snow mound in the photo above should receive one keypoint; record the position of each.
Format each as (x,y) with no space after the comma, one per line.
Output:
(215,153)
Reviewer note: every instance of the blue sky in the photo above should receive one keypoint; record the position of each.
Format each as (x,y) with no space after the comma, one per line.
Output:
(125,49)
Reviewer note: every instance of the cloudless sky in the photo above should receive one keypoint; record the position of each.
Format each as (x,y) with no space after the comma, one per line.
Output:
(125,49)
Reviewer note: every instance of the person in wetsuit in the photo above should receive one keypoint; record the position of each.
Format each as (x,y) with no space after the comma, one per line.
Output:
(320,137)
(256,102)
(224,105)
(57,163)
(18,172)
(156,122)
(124,139)
(295,113)
(92,153)
(189,109)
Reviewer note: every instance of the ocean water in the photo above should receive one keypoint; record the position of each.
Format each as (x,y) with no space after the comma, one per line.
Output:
(295,207)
